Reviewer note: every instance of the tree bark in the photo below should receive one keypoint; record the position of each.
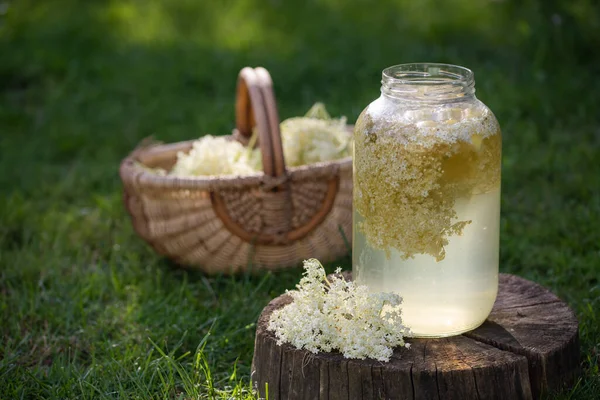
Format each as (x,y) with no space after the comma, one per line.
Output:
(529,345)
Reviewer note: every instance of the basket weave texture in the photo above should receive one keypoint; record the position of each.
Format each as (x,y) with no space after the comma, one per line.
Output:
(228,224)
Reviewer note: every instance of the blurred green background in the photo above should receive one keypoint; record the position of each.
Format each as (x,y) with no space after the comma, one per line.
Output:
(87,308)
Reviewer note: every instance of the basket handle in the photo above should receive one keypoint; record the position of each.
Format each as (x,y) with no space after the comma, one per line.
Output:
(256,106)
(266,84)
(250,111)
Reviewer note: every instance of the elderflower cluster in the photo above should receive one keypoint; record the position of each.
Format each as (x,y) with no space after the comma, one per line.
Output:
(339,315)
(315,137)
(305,140)
(212,155)
(408,176)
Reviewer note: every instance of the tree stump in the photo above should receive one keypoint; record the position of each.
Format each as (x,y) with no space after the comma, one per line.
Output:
(529,345)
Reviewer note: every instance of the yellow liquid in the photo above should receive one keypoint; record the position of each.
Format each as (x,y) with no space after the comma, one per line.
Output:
(447,297)
(426,221)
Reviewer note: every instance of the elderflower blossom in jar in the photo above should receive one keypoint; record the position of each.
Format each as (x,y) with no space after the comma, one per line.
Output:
(427,198)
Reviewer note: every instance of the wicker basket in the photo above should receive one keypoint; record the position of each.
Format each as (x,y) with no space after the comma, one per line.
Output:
(230,223)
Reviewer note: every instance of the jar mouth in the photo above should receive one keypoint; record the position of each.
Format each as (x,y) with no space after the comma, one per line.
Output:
(428,73)
(431,82)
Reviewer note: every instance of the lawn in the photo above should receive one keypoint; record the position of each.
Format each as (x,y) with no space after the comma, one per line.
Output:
(89,311)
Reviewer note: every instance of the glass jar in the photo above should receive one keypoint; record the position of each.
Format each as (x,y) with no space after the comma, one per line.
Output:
(427,198)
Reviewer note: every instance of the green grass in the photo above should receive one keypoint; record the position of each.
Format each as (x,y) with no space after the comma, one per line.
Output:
(87,310)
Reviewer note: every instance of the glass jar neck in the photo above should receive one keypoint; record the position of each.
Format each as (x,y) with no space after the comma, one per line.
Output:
(428,83)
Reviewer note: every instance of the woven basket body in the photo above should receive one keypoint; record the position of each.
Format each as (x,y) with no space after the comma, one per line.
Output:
(228,224)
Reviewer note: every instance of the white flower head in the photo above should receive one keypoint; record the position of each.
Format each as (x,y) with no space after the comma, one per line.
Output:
(306,140)
(339,315)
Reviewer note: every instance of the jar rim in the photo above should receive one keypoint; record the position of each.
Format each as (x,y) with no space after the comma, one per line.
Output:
(428,73)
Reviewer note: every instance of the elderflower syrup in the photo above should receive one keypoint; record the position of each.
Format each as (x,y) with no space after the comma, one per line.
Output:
(427,198)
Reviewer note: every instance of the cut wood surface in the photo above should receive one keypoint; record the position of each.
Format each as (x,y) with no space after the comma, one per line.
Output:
(528,346)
